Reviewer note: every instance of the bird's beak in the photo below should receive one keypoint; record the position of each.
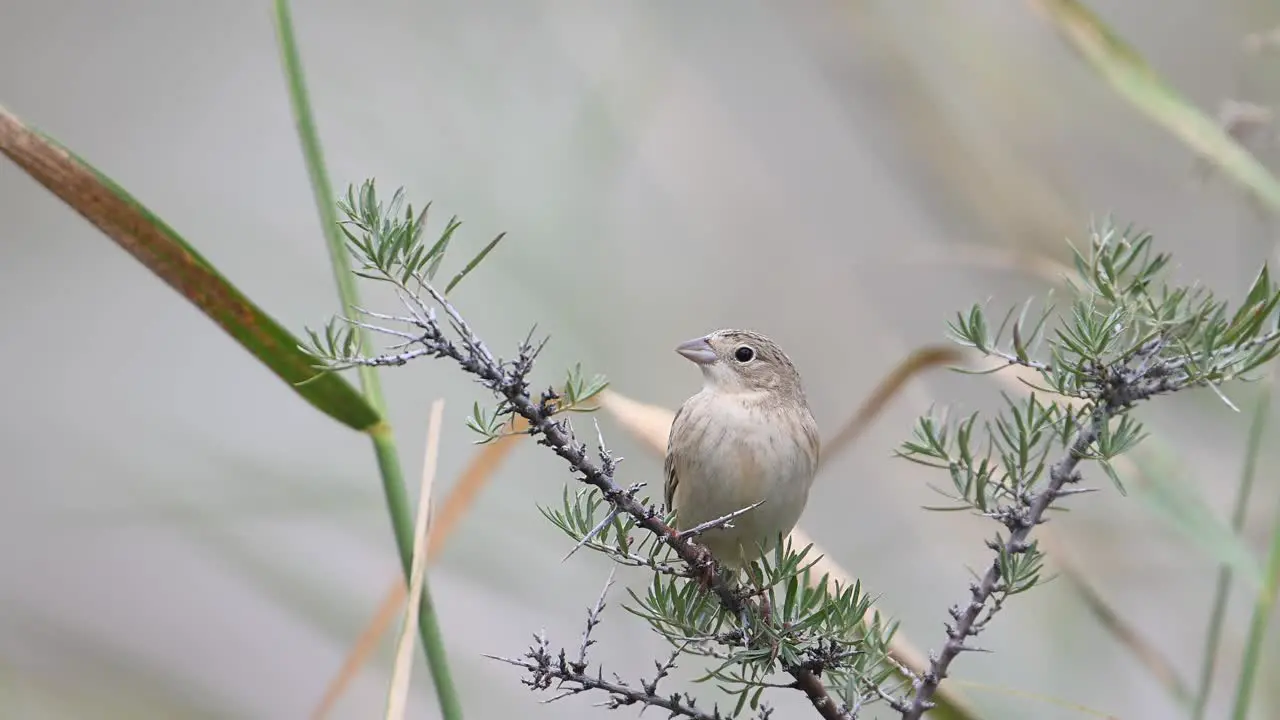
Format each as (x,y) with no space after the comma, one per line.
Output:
(698,350)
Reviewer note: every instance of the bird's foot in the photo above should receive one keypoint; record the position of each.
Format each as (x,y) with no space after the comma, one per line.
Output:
(704,570)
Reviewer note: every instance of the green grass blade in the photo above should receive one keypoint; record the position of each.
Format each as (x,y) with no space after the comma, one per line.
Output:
(164,252)
(1166,492)
(384,443)
(313,153)
(1217,615)
(1264,602)
(1129,75)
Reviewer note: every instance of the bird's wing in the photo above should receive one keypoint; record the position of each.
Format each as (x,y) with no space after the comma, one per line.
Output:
(813,439)
(669,489)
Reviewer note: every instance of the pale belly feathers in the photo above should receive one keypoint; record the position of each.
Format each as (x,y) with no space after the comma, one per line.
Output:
(741,461)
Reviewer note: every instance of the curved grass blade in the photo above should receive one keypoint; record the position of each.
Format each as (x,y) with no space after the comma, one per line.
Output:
(1125,70)
(363,649)
(917,362)
(164,252)
(398,693)
(484,464)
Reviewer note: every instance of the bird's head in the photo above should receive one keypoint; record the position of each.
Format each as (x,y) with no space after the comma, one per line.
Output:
(741,361)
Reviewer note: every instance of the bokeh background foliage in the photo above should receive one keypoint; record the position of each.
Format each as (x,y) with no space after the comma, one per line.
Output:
(184,538)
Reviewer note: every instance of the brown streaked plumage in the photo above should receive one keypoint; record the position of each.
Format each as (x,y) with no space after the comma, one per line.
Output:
(747,436)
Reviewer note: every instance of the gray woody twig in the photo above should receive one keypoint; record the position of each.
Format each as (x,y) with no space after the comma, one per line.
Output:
(572,677)
(966,622)
(509,381)
(1123,387)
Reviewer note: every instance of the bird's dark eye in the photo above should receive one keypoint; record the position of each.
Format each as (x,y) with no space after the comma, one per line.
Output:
(744,354)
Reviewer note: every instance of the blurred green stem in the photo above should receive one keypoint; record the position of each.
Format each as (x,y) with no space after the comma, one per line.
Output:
(402,524)
(1216,616)
(1262,607)
(383,439)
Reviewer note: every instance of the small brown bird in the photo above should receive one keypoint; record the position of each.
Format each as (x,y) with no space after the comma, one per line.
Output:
(747,437)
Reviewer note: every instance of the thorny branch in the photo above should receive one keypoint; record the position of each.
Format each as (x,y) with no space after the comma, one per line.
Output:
(508,380)
(1113,389)
(966,619)
(570,677)
(1125,343)
(1153,376)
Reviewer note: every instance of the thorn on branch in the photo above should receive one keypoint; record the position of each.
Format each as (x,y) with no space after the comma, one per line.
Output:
(612,515)
(720,522)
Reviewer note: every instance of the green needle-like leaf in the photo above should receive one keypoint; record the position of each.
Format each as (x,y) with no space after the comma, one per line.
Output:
(474,262)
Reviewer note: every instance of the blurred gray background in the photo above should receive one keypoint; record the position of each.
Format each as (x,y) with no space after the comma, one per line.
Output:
(181,536)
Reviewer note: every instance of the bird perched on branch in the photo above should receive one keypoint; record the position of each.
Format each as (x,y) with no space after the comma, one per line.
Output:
(747,437)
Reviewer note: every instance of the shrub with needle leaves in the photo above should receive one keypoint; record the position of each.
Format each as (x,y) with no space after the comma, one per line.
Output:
(1127,336)
(779,627)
